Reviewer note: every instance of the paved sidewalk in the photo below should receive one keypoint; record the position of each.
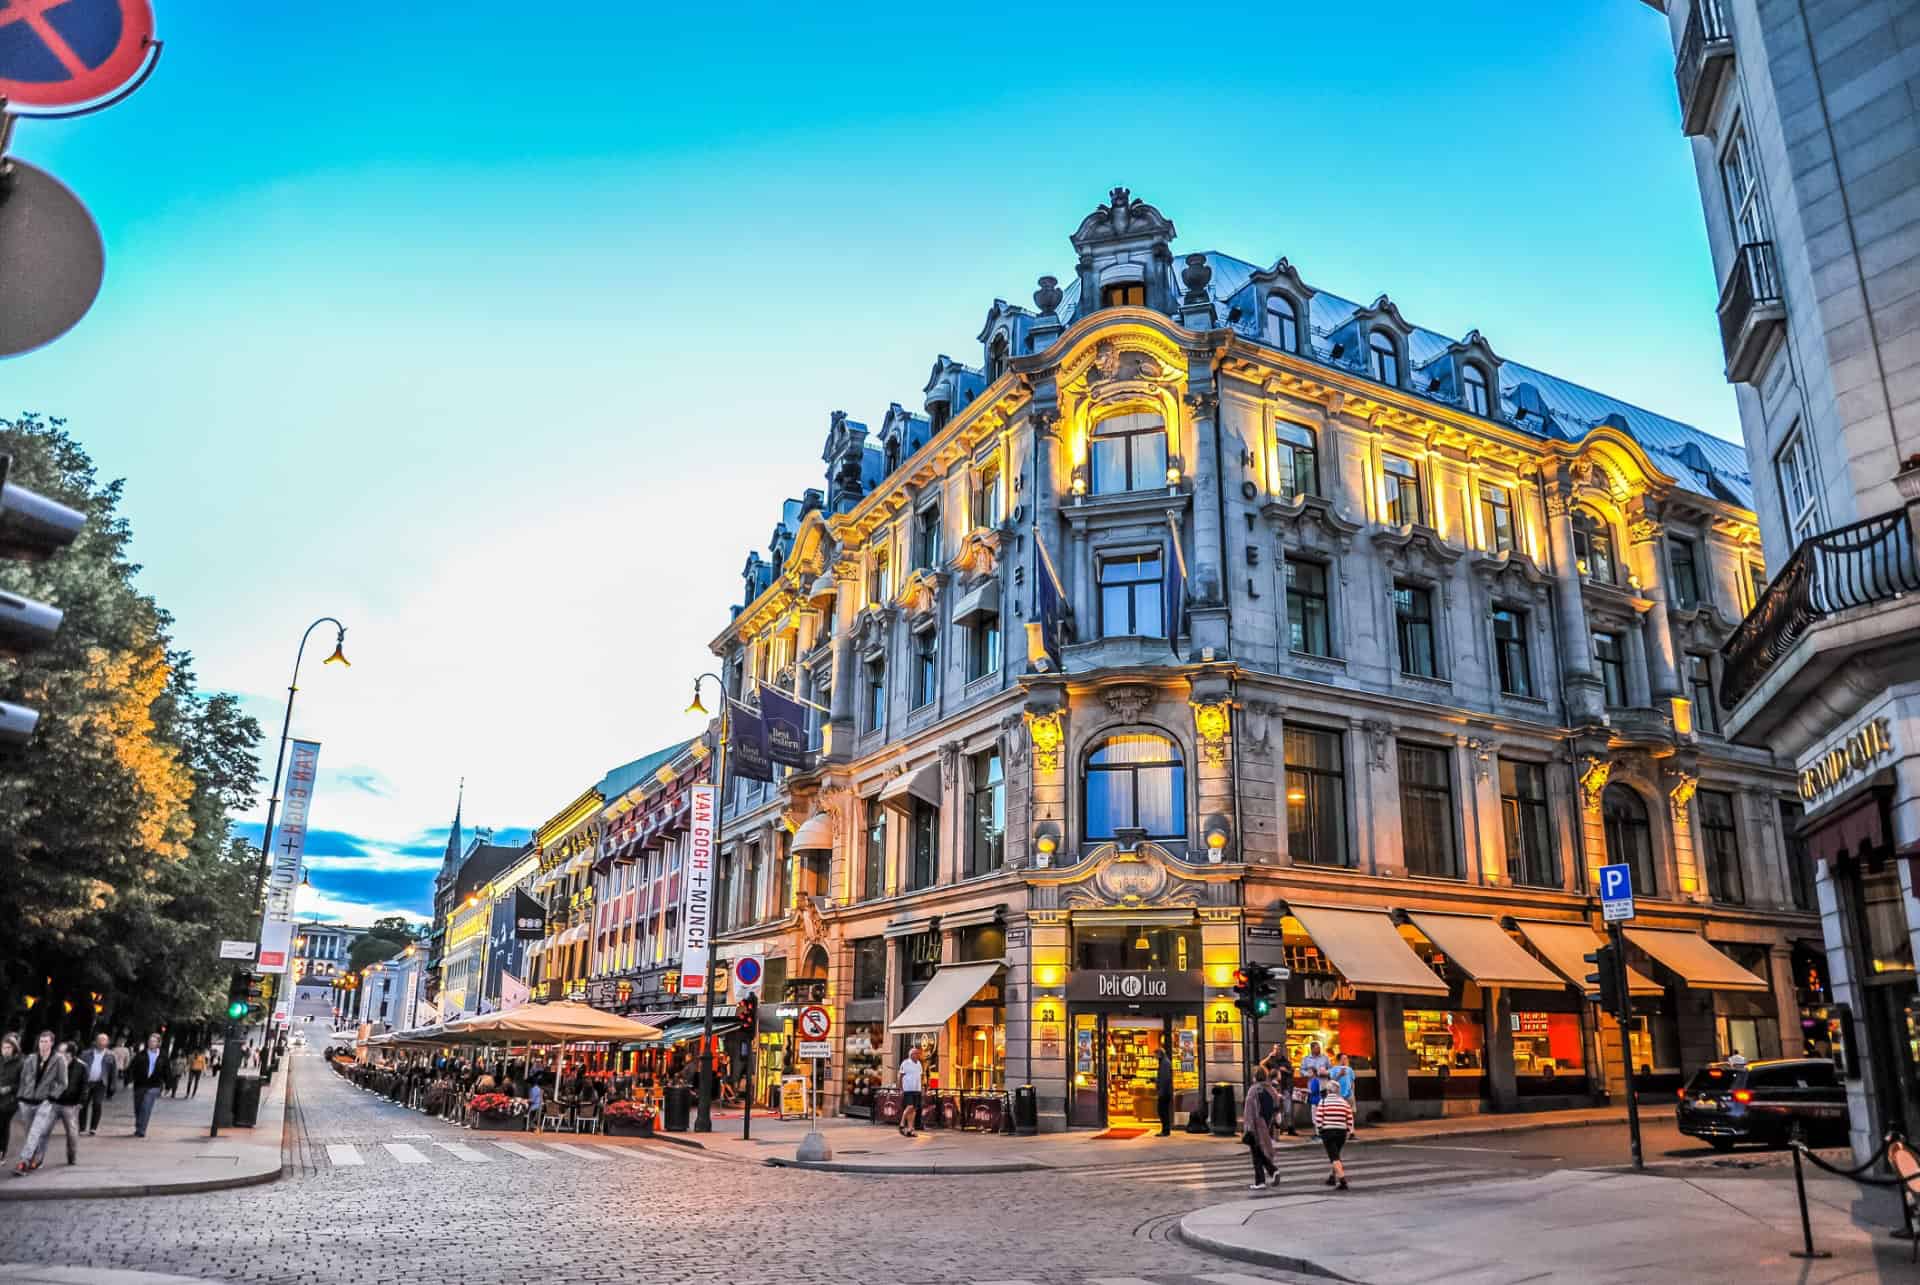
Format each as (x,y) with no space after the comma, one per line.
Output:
(860,1147)
(1570,1225)
(175,1157)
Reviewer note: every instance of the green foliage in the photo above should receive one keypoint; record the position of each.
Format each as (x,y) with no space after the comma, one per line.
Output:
(385,939)
(118,868)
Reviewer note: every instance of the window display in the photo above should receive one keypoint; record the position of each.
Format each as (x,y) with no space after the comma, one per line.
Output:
(1447,1053)
(1549,1047)
(863,1066)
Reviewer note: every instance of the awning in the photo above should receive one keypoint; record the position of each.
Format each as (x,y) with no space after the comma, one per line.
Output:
(1566,947)
(973,918)
(908,927)
(984,601)
(1483,949)
(952,986)
(689,1029)
(1367,949)
(1695,959)
(550,1023)
(1856,829)
(816,834)
(923,785)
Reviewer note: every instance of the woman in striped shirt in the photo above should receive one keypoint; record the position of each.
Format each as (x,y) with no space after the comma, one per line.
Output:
(1333,1119)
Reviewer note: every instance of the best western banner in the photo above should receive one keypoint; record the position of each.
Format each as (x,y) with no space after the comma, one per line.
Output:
(289,840)
(699,875)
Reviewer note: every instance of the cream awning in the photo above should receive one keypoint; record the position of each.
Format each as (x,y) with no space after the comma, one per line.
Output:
(1367,949)
(1483,949)
(816,834)
(1694,958)
(984,601)
(557,1022)
(952,986)
(923,785)
(1567,946)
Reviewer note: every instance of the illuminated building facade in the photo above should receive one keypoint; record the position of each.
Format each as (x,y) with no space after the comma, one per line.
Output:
(1371,646)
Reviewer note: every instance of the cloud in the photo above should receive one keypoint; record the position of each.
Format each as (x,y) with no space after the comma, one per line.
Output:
(368,782)
(373,891)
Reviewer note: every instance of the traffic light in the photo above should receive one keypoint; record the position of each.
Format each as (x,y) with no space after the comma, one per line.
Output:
(749,1013)
(256,997)
(237,996)
(32,529)
(1253,989)
(1605,981)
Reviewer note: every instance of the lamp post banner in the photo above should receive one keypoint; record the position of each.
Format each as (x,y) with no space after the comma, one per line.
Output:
(699,875)
(289,840)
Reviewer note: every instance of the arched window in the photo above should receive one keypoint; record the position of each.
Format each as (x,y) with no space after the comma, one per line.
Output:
(1593,545)
(996,358)
(1385,358)
(1473,390)
(1283,323)
(1136,780)
(1629,837)
(1129,453)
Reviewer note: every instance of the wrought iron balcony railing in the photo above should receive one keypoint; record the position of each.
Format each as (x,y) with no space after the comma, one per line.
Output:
(1751,310)
(1852,566)
(1701,66)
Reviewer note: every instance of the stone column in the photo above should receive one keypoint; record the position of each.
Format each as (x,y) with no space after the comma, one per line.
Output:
(1585,693)
(1374,833)
(1206,560)
(1498,1015)
(1390,1043)
(1645,533)
(1484,835)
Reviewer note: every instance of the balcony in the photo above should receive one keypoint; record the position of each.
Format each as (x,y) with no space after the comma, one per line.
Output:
(1701,67)
(1752,313)
(1854,566)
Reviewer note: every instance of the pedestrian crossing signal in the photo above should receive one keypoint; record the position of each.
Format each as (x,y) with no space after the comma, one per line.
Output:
(1253,989)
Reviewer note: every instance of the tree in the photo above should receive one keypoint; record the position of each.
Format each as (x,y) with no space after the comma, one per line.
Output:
(386,938)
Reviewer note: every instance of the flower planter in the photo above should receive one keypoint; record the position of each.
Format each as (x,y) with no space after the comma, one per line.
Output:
(498,1123)
(628,1126)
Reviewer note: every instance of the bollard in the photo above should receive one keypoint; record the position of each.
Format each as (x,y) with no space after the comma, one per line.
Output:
(1806,1223)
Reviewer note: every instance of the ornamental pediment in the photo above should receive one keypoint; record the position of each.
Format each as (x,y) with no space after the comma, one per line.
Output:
(1418,549)
(1512,572)
(1145,877)
(1312,522)
(919,596)
(979,554)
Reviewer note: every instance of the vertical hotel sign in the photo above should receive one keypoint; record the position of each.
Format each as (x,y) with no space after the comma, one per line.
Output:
(695,911)
(289,841)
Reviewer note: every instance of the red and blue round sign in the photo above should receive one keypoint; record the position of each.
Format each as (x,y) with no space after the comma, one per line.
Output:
(747,971)
(61,53)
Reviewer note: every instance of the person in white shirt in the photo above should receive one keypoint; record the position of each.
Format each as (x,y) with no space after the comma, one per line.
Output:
(103,1077)
(911,1074)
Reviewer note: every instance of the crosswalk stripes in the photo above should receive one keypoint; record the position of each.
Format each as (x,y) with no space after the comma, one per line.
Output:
(522,1150)
(465,1152)
(583,1153)
(341,1154)
(346,1155)
(1297,1172)
(405,1152)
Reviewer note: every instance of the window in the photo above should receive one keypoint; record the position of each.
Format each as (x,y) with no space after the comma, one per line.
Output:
(1473,391)
(986,496)
(1523,808)
(1413,628)
(1496,515)
(870,968)
(1686,574)
(1722,843)
(1383,358)
(983,647)
(1700,692)
(1104,947)
(1129,454)
(1756,584)
(1296,461)
(926,539)
(876,702)
(1593,546)
(1307,608)
(879,583)
(753,889)
(1629,837)
(1283,323)
(1123,294)
(1401,490)
(1799,862)
(1798,488)
(1136,780)
(1608,656)
(1510,651)
(938,413)
(1130,595)
(986,815)
(873,871)
(782,880)
(996,358)
(926,667)
(1316,797)
(1426,812)
(925,845)
(1741,180)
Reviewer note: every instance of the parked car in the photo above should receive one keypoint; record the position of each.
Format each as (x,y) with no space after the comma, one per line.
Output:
(1774,1102)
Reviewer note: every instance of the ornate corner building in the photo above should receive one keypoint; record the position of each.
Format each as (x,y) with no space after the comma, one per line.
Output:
(1215,617)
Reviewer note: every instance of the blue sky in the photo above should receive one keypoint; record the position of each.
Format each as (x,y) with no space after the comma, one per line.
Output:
(501,333)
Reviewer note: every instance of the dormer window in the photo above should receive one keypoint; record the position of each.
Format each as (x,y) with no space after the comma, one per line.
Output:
(1473,391)
(1129,454)
(1593,546)
(1383,358)
(938,415)
(926,539)
(1283,323)
(996,359)
(1124,294)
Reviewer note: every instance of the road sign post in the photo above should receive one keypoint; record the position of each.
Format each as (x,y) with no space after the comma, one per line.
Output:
(1616,908)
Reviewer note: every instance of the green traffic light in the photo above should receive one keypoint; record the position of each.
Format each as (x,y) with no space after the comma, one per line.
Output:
(237,1010)
(1261,1007)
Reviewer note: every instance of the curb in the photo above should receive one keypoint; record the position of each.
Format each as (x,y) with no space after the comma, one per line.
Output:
(1258,1257)
(839,1166)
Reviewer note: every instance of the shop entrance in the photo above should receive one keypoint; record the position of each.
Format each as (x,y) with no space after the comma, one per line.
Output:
(1116,1058)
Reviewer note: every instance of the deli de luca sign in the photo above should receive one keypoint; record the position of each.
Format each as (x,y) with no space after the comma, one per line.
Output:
(1135,986)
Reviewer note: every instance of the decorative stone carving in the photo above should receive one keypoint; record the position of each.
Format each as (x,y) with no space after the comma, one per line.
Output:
(949,763)
(1211,722)
(1046,731)
(1128,702)
(978,557)
(873,629)
(1308,521)
(1049,295)
(1147,877)
(1106,359)
(1203,404)
(1680,796)
(1195,276)
(1481,751)
(1256,721)
(1015,744)
(1379,741)
(1593,780)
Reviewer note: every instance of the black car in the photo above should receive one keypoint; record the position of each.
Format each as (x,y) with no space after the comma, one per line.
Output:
(1774,1102)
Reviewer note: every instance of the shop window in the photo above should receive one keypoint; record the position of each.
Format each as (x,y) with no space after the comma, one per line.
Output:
(1496,515)
(1799,860)
(1316,797)
(1629,837)
(986,814)
(1383,359)
(1609,656)
(1413,629)
(1446,1054)
(983,647)
(1401,491)
(1889,945)
(1593,546)
(926,667)
(925,845)
(1112,947)
(1123,294)
(870,968)
(1283,323)
(1510,651)
(1307,613)
(1549,1052)
(1684,564)
(1528,824)
(875,674)
(1722,844)
(1296,461)
(1700,693)
(1347,1029)
(1129,453)
(1135,781)
(981,942)
(1130,595)
(1426,812)
(1473,389)
(873,872)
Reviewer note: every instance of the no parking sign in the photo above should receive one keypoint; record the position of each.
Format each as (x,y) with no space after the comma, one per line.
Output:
(60,53)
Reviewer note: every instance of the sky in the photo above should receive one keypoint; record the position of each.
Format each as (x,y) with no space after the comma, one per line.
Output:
(500,334)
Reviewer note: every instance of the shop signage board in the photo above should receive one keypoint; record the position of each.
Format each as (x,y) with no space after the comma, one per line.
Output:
(816,1048)
(236,950)
(699,883)
(1135,986)
(1616,893)
(815,1022)
(793,1097)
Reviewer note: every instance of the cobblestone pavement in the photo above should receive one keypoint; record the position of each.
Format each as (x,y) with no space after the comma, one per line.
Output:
(377,1193)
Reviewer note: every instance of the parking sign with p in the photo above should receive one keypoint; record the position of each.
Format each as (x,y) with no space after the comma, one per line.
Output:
(1616,892)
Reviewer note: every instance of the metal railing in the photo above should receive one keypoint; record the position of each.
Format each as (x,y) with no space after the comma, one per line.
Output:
(1705,25)
(1754,280)
(1851,566)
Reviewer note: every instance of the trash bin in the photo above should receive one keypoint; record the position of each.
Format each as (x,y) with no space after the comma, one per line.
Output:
(1026,1111)
(1224,1121)
(679,1108)
(246,1102)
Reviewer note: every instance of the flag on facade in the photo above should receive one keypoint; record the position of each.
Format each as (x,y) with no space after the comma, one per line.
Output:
(786,724)
(747,752)
(1049,608)
(513,992)
(1173,589)
(486,1006)
(426,1013)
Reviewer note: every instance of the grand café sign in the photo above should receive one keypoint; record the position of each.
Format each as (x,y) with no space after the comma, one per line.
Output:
(1864,746)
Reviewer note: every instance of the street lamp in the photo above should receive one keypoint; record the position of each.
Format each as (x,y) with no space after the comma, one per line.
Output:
(230,1058)
(703,1114)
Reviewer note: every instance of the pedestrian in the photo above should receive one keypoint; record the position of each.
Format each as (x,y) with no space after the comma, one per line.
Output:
(1280,1079)
(196,1068)
(10,1060)
(1343,1081)
(1163,1091)
(122,1057)
(62,1109)
(536,1094)
(148,1075)
(176,1072)
(103,1076)
(1257,1129)
(1333,1121)
(43,1077)
(910,1080)
(1314,1067)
